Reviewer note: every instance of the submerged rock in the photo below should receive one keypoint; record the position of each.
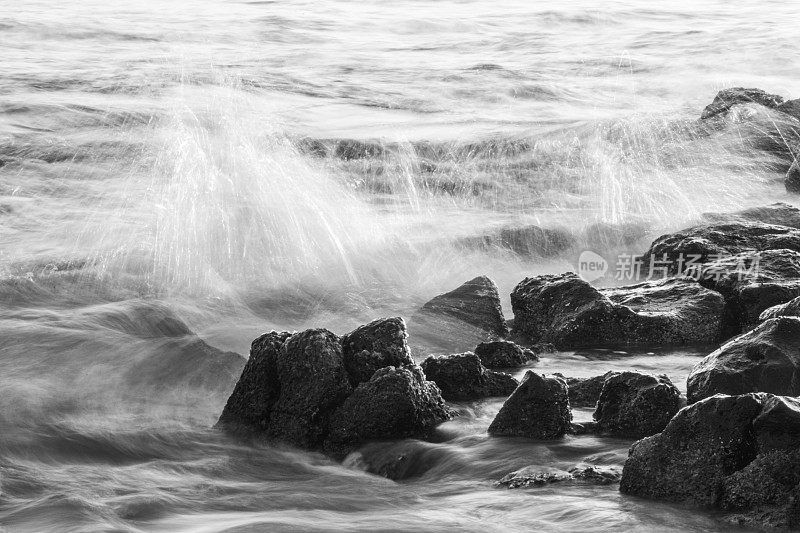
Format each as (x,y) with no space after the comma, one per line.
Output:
(504,354)
(735,453)
(476,302)
(395,403)
(536,241)
(382,342)
(537,409)
(584,392)
(536,476)
(569,312)
(632,404)
(766,359)
(728,98)
(462,377)
(533,476)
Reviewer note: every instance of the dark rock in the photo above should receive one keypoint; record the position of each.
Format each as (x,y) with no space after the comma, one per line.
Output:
(728,98)
(603,235)
(382,342)
(632,404)
(538,409)
(751,282)
(766,359)
(462,377)
(702,445)
(584,392)
(476,302)
(740,454)
(792,179)
(778,425)
(779,214)
(569,312)
(395,403)
(504,354)
(765,493)
(710,242)
(313,383)
(250,405)
(790,308)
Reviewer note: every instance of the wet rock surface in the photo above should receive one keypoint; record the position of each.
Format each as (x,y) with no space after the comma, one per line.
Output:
(632,404)
(504,354)
(395,403)
(295,388)
(462,377)
(476,302)
(382,342)
(537,409)
(778,213)
(765,359)
(790,308)
(751,282)
(569,312)
(735,453)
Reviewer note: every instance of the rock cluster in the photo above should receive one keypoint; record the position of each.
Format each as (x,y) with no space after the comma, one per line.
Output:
(317,391)
(735,453)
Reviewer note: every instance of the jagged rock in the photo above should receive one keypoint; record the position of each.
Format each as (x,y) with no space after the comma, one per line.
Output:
(779,214)
(381,343)
(476,302)
(584,392)
(538,409)
(790,308)
(569,312)
(249,407)
(395,403)
(751,282)
(632,404)
(504,354)
(766,359)
(710,242)
(313,383)
(462,377)
(740,454)
(728,98)
(702,445)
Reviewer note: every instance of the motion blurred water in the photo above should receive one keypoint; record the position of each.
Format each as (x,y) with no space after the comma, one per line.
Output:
(226,168)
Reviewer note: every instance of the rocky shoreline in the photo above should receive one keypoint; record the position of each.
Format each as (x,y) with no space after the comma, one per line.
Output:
(732,444)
